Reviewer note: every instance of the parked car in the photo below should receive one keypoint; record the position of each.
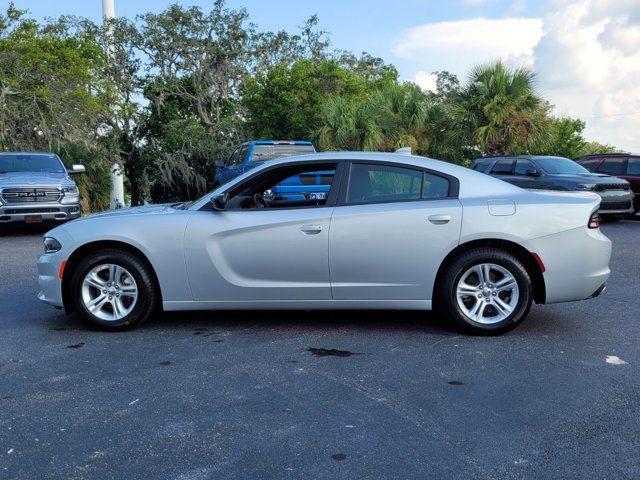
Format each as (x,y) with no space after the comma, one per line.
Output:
(252,154)
(36,187)
(559,173)
(621,165)
(395,232)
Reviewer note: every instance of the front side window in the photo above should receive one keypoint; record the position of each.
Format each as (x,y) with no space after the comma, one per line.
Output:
(285,187)
(233,159)
(590,164)
(503,167)
(612,166)
(382,183)
(30,163)
(560,166)
(524,167)
(633,167)
(243,154)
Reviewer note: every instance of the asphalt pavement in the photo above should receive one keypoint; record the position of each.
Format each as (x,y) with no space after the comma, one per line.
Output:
(320,395)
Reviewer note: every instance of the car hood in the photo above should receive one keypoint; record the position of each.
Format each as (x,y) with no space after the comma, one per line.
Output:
(160,209)
(22,179)
(587,178)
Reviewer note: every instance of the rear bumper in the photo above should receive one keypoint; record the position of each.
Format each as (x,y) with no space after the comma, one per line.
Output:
(576,263)
(49,212)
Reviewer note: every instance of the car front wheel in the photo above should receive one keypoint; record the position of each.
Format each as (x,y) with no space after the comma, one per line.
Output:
(113,289)
(486,291)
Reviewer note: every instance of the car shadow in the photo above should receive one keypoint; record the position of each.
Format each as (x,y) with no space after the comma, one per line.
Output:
(317,320)
(15,229)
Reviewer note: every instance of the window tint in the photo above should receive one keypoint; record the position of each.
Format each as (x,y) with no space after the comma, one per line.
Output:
(503,167)
(612,166)
(243,154)
(633,167)
(381,183)
(590,164)
(435,186)
(233,159)
(524,166)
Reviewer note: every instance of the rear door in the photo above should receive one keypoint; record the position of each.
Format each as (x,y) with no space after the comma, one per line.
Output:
(391,230)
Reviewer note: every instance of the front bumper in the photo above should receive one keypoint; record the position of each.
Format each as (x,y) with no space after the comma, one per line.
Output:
(50,284)
(616,202)
(49,212)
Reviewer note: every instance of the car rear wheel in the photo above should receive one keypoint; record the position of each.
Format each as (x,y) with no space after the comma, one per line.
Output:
(486,291)
(113,289)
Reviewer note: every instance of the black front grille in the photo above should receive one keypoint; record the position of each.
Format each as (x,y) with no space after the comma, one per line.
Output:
(615,205)
(601,187)
(18,211)
(19,195)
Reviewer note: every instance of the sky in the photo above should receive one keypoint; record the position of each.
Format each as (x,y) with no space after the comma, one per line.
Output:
(586,53)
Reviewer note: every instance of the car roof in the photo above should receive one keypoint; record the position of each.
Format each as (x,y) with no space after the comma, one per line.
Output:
(29,153)
(278,142)
(526,157)
(605,155)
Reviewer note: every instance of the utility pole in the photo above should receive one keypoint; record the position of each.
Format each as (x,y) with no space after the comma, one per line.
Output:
(116,198)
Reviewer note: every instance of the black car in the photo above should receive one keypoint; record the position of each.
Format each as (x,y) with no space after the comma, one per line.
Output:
(558,173)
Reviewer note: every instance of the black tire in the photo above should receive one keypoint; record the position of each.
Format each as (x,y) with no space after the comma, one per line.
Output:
(447,301)
(147,290)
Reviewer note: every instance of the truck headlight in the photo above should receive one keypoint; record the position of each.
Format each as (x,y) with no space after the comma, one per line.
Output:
(586,186)
(70,195)
(51,245)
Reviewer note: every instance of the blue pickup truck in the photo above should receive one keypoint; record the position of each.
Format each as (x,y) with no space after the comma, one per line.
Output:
(251,154)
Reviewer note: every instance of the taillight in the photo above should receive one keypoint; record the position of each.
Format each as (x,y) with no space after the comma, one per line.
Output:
(594,220)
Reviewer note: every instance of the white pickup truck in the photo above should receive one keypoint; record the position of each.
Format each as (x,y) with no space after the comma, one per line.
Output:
(36,187)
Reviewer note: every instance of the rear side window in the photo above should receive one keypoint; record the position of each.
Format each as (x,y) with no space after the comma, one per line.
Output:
(480,166)
(435,186)
(382,183)
(612,166)
(633,167)
(503,167)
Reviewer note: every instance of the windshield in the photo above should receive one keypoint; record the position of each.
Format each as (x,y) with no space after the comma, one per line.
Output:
(30,163)
(560,165)
(269,152)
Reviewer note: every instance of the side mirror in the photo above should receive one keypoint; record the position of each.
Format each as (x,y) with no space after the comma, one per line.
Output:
(76,169)
(219,202)
(219,163)
(531,172)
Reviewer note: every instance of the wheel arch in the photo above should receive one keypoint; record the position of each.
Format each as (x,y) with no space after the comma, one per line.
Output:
(518,251)
(82,251)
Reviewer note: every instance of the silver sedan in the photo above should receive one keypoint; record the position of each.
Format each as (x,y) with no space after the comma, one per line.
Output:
(382,231)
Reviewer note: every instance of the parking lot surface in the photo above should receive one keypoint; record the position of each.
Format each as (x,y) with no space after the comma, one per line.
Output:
(291,395)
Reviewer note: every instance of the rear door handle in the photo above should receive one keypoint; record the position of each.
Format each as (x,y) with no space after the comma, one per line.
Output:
(439,219)
(311,229)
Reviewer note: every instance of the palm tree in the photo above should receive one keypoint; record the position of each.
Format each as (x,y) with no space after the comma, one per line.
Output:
(500,111)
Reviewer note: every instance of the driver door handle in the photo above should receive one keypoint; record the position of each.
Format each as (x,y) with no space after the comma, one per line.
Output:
(311,229)
(439,219)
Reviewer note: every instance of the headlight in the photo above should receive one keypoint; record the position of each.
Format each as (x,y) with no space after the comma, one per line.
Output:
(51,245)
(70,195)
(586,186)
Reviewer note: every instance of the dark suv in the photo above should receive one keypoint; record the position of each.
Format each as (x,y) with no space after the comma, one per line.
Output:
(559,173)
(621,165)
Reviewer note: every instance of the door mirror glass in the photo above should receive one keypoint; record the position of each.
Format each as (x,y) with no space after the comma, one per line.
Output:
(219,163)
(532,172)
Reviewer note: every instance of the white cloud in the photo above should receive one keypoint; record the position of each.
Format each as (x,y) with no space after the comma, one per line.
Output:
(427,81)
(586,54)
